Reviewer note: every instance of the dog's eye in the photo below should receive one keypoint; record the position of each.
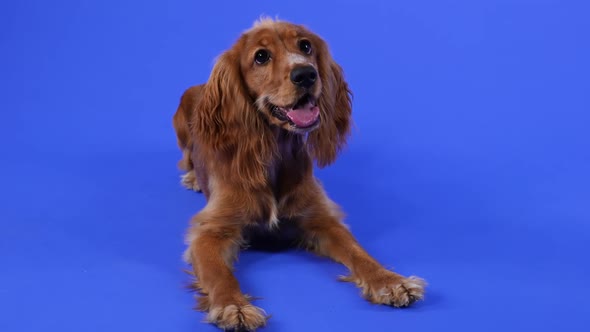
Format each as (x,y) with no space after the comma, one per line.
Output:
(305,46)
(262,57)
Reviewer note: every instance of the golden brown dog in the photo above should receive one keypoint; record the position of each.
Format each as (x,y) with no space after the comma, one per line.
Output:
(274,103)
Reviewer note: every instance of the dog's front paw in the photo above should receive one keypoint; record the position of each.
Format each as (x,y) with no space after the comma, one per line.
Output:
(390,288)
(238,317)
(398,291)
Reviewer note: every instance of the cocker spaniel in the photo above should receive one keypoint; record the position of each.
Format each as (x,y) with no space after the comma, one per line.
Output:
(274,104)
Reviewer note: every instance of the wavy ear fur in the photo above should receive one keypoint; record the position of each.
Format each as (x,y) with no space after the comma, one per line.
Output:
(335,110)
(227,126)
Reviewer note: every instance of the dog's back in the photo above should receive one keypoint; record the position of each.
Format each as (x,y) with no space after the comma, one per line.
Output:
(181,122)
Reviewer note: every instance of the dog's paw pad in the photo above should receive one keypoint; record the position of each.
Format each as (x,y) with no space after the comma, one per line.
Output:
(234,317)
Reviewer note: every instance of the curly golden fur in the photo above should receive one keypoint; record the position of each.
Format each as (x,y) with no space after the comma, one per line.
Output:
(275,103)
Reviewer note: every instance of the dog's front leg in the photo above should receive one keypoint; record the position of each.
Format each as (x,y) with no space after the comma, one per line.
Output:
(327,235)
(213,245)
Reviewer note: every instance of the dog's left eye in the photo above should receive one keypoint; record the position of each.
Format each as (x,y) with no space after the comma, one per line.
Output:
(305,46)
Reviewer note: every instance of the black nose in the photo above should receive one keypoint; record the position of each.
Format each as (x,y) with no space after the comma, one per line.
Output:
(304,76)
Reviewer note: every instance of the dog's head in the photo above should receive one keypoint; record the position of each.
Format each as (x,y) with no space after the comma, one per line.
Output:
(277,74)
(280,64)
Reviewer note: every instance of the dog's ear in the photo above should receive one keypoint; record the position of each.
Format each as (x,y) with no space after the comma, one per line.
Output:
(226,123)
(335,109)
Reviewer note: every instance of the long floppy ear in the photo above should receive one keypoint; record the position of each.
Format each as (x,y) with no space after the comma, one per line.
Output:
(335,104)
(226,124)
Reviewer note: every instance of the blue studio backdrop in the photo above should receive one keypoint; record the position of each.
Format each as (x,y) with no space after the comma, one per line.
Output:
(469,164)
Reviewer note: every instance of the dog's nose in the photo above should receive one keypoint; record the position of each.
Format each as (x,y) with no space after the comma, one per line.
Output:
(304,76)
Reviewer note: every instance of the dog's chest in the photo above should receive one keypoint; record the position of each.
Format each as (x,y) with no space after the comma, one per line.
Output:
(287,172)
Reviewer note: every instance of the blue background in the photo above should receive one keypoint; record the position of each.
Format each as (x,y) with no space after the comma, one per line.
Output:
(469,164)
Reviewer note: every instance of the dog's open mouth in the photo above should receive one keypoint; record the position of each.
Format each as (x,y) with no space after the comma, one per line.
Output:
(303,114)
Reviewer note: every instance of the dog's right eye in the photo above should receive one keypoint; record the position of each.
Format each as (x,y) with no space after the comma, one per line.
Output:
(262,57)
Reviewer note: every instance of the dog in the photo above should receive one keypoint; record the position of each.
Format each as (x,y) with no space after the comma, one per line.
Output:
(274,104)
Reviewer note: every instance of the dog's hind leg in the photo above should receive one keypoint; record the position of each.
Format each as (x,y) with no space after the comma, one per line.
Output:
(188,179)
(181,122)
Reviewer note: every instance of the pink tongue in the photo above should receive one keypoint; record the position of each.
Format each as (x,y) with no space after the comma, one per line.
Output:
(305,115)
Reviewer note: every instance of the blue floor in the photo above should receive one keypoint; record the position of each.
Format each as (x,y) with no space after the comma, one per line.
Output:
(469,164)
